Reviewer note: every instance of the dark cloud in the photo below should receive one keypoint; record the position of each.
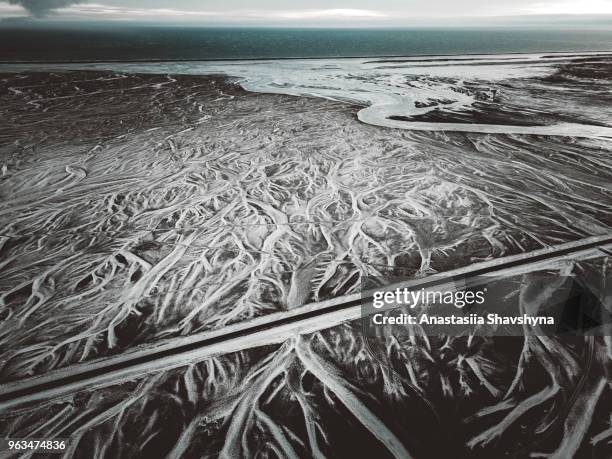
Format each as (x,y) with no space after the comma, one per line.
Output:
(41,8)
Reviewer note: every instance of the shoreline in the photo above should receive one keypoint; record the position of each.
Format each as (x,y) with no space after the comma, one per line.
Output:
(249,59)
(380,56)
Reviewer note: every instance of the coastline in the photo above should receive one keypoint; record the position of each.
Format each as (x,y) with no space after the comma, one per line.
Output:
(604,51)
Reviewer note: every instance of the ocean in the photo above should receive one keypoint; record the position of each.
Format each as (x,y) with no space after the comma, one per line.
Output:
(123,42)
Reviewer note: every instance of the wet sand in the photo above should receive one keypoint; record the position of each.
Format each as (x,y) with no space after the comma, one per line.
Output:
(139,209)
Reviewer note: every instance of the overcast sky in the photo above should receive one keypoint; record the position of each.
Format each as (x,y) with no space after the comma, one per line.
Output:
(294,12)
